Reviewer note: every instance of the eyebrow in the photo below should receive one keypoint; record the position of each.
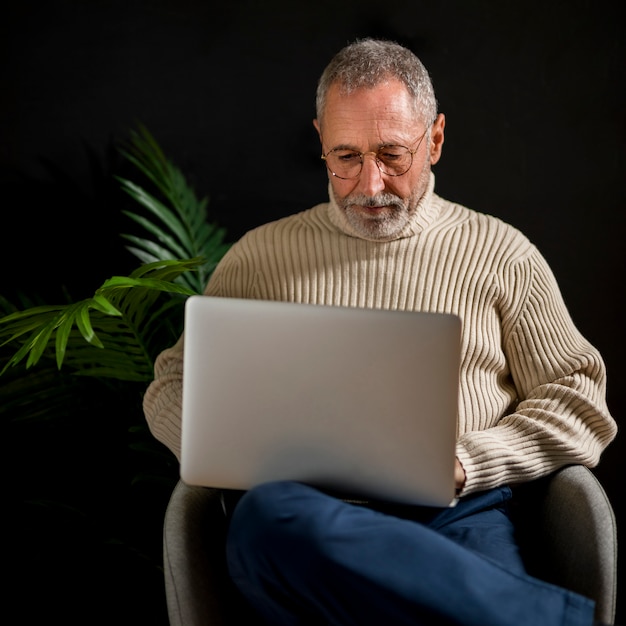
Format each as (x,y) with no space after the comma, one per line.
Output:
(386,144)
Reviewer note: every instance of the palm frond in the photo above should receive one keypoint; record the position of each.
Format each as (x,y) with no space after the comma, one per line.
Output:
(177,222)
(109,334)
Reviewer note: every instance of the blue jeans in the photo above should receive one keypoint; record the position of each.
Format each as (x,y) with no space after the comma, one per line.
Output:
(301,556)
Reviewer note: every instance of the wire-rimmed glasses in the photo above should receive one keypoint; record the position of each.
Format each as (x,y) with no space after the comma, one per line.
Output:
(392,160)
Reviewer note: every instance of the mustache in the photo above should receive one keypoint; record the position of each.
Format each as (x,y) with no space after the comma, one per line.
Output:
(380,199)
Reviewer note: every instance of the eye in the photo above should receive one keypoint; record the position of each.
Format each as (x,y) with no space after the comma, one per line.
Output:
(347,156)
(391,153)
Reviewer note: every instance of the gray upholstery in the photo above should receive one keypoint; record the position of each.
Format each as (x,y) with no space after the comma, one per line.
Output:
(567,535)
(197,587)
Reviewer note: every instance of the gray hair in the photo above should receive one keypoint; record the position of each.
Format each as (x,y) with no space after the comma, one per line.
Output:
(370,62)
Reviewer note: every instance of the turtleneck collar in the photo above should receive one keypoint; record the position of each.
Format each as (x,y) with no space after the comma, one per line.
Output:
(425,214)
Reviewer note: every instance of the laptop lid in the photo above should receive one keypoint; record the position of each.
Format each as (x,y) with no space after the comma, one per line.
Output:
(359,401)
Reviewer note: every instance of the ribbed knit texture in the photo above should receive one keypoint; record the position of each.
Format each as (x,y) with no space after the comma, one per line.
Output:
(532,389)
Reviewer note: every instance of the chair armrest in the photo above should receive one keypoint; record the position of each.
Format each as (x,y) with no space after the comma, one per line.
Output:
(197,586)
(568,536)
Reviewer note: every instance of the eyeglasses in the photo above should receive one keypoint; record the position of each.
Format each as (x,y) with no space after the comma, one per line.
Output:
(391,160)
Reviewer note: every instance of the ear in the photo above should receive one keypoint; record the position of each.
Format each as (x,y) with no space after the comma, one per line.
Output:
(436,138)
(318,128)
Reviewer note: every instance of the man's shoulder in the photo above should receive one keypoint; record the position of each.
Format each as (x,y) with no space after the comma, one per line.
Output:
(488,232)
(479,219)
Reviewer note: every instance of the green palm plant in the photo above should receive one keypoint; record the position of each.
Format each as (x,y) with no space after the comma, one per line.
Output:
(117,332)
(72,378)
(113,336)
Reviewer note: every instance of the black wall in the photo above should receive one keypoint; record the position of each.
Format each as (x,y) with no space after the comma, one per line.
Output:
(533,93)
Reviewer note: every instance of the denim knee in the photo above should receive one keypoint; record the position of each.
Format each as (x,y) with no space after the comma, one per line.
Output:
(263,507)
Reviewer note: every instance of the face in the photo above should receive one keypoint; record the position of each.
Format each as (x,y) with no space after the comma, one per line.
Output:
(378,206)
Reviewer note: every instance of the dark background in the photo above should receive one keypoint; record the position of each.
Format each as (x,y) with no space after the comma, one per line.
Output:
(534,98)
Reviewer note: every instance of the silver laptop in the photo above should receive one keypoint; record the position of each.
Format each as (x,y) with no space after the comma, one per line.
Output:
(362,402)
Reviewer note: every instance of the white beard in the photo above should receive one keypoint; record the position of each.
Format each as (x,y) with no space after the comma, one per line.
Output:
(391,219)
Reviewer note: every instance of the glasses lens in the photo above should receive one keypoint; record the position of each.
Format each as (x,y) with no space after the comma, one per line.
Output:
(344,163)
(394,160)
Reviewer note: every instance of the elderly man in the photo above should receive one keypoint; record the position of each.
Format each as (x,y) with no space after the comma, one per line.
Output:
(532,389)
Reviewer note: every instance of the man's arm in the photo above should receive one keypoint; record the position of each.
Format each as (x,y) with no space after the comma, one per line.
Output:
(561,416)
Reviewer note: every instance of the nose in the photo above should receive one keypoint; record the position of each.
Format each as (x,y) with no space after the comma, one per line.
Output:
(370,181)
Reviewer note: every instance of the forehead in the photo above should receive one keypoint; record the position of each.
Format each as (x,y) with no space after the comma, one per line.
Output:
(369,116)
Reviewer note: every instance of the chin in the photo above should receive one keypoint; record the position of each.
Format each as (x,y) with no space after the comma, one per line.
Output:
(376,226)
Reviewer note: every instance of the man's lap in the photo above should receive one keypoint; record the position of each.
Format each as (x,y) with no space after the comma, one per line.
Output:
(295,551)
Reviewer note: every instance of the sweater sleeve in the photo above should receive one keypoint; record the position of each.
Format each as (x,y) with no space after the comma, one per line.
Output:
(162,401)
(561,416)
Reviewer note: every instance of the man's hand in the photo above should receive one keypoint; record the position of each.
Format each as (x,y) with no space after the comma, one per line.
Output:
(459,475)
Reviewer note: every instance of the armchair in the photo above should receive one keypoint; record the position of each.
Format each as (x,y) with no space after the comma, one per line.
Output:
(567,537)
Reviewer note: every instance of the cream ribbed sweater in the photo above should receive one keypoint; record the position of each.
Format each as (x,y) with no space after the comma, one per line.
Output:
(532,389)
